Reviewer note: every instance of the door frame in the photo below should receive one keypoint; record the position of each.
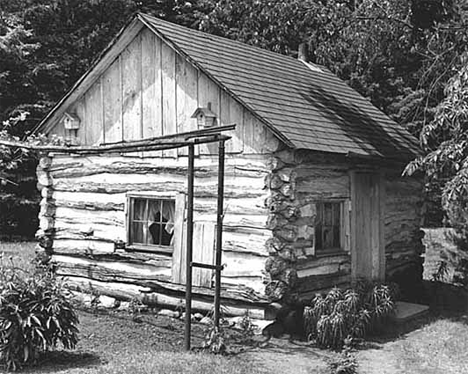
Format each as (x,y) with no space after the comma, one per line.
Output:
(377,225)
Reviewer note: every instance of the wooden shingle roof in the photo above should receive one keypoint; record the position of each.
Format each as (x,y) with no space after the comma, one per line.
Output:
(305,105)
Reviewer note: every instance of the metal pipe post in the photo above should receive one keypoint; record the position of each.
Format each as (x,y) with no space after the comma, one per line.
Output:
(188,276)
(219,233)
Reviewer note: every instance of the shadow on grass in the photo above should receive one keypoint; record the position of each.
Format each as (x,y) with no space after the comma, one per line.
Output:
(56,361)
(446,301)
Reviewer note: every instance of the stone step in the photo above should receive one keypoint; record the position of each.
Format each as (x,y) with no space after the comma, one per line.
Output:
(408,311)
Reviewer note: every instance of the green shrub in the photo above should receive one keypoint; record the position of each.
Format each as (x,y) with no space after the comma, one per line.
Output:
(35,315)
(343,316)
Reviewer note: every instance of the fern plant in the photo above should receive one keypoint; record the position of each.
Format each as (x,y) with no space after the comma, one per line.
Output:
(347,315)
(35,315)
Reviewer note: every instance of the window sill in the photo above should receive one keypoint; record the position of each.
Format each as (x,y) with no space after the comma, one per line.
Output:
(331,253)
(150,249)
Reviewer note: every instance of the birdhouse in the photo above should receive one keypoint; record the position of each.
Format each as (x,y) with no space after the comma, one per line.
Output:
(205,117)
(70,121)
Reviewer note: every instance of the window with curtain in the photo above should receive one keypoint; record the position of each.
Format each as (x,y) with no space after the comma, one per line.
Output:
(151,223)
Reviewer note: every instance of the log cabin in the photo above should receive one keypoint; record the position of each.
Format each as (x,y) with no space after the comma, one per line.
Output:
(314,196)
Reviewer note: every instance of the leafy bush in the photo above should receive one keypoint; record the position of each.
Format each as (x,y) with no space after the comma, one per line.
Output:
(35,315)
(343,316)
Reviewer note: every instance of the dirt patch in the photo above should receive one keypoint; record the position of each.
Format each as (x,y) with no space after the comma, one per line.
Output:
(282,356)
(114,342)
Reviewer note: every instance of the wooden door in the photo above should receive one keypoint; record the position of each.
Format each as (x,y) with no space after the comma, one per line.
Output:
(203,252)
(367,244)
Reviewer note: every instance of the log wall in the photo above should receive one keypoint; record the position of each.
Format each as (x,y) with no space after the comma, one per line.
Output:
(83,219)
(297,182)
(300,179)
(269,233)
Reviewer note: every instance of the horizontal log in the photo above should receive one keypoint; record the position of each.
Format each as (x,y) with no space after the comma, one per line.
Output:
(238,309)
(106,233)
(74,199)
(255,163)
(237,222)
(146,263)
(253,282)
(321,265)
(231,294)
(104,201)
(142,179)
(82,247)
(319,270)
(232,190)
(142,166)
(242,265)
(131,292)
(114,269)
(319,282)
(252,206)
(108,218)
(253,244)
(106,275)
(120,291)
(246,229)
(158,259)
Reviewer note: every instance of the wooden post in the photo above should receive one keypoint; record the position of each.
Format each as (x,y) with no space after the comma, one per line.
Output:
(188,278)
(219,234)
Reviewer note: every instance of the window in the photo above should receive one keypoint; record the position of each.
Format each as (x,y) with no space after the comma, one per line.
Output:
(331,227)
(151,223)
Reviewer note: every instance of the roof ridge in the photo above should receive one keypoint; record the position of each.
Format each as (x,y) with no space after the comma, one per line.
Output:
(220,38)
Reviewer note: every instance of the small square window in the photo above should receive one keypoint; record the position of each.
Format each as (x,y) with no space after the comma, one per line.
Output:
(329,227)
(151,223)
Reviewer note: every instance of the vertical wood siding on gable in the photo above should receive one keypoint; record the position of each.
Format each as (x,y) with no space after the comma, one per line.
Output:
(131,90)
(94,119)
(187,97)
(112,103)
(149,91)
(169,98)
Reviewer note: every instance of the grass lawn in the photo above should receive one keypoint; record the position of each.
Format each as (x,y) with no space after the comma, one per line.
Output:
(439,346)
(114,343)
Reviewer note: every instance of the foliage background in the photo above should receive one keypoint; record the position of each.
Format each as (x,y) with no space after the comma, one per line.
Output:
(399,54)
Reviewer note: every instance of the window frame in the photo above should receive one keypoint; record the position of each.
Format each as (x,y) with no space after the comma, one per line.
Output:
(344,228)
(130,201)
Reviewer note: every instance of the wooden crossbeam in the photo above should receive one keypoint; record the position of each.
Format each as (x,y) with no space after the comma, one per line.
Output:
(208,135)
